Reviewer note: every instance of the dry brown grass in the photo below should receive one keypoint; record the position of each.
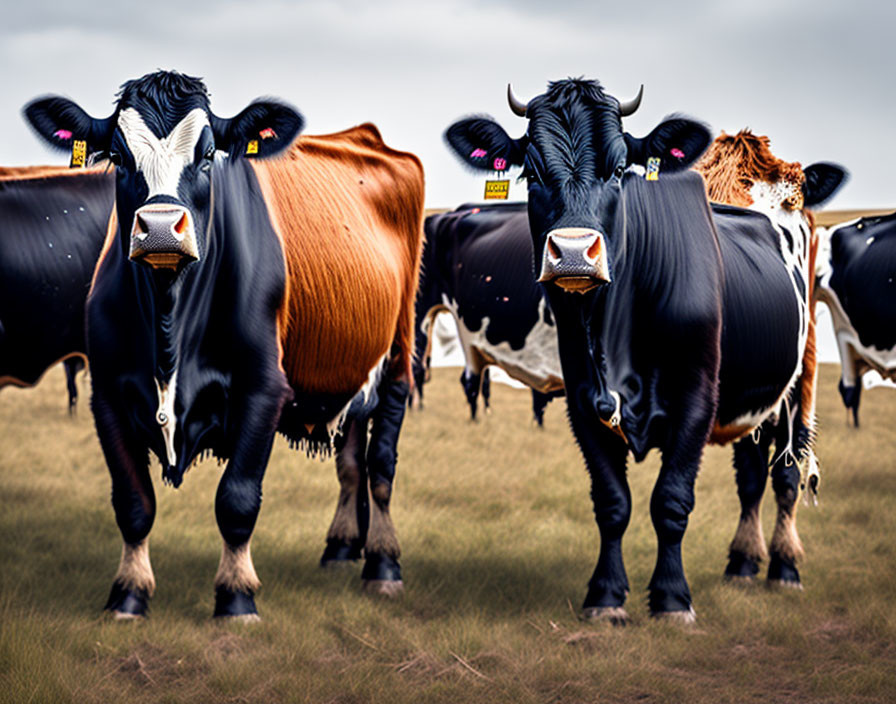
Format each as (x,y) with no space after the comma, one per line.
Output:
(499,542)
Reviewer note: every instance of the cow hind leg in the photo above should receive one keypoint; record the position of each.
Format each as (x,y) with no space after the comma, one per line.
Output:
(486,389)
(747,549)
(786,549)
(348,531)
(471,382)
(382,572)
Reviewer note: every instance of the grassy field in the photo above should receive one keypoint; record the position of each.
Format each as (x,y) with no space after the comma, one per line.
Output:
(499,542)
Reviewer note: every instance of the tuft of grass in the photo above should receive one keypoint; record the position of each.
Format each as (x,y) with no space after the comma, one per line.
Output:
(499,541)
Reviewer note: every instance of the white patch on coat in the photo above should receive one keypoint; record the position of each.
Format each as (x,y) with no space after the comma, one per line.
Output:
(165,415)
(536,364)
(334,427)
(162,161)
(849,345)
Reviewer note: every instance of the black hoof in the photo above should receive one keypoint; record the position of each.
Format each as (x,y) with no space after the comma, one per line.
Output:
(230,604)
(741,567)
(127,603)
(381,568)
(382,575)
(339,552)
(783,573)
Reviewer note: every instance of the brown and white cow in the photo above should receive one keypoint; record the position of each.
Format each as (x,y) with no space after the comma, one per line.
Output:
(740,170)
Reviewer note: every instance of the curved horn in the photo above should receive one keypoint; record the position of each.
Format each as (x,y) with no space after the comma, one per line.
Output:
(627,108)
(515,105)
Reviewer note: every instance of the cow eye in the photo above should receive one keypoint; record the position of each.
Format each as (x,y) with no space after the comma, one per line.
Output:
(209,153)
(619,171)
(114,157)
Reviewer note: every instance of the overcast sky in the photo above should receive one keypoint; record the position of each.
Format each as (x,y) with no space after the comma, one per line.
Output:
(815,76)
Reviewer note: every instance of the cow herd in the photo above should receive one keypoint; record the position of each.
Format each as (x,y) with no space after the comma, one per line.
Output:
(228,279)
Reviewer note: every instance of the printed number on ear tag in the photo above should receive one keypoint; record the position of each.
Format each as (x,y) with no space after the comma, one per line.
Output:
(497,190)
(653,169)
(252,147)
(79,153)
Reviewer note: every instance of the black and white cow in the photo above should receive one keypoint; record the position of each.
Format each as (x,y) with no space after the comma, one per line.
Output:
(857,281)
(477,265)
(52,226)
(234,298)
(653,306)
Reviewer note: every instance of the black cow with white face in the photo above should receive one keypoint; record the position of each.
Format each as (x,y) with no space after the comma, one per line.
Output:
(662,308)
(182,314)
(477,265)
(634,278)
(857,270)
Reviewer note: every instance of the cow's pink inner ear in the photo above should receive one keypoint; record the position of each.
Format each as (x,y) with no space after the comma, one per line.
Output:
(62,134)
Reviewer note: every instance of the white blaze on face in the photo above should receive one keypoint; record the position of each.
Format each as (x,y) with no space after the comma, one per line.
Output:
(162,161)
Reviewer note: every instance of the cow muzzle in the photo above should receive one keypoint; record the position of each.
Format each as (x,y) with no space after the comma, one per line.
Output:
(163,236)
(575,259)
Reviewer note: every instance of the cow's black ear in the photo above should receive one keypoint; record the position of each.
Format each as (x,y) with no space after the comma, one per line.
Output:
(823,180)
(60,122)
(677,142)
(480,142)
(264,129)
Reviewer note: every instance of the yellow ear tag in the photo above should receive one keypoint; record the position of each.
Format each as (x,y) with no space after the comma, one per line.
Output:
(252,147)
(79,153)
(653,169)
(497,190)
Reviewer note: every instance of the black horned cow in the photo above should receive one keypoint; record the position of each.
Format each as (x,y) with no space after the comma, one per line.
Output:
(477,265)
(53,225)
(857,281)
(236,296)
(642,285)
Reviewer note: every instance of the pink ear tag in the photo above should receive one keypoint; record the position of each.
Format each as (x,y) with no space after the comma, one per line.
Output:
(677,153)
(478,153)
(500,164)
(267,133)
(62,134)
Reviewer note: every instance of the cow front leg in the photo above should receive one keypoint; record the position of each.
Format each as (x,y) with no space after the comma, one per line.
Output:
(238,501)
(747,549)
(348,531)
(605,457)
(382,572)
(672,500)
(133,500)
(72,366)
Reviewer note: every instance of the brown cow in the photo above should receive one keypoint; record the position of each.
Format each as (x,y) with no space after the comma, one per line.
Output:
(236,297)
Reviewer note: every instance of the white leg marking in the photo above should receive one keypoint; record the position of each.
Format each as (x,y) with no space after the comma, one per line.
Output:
(134,568)
(236,571)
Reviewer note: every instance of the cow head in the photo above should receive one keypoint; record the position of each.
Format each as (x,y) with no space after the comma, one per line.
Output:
(575,157)
(741,170)
(163,139)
